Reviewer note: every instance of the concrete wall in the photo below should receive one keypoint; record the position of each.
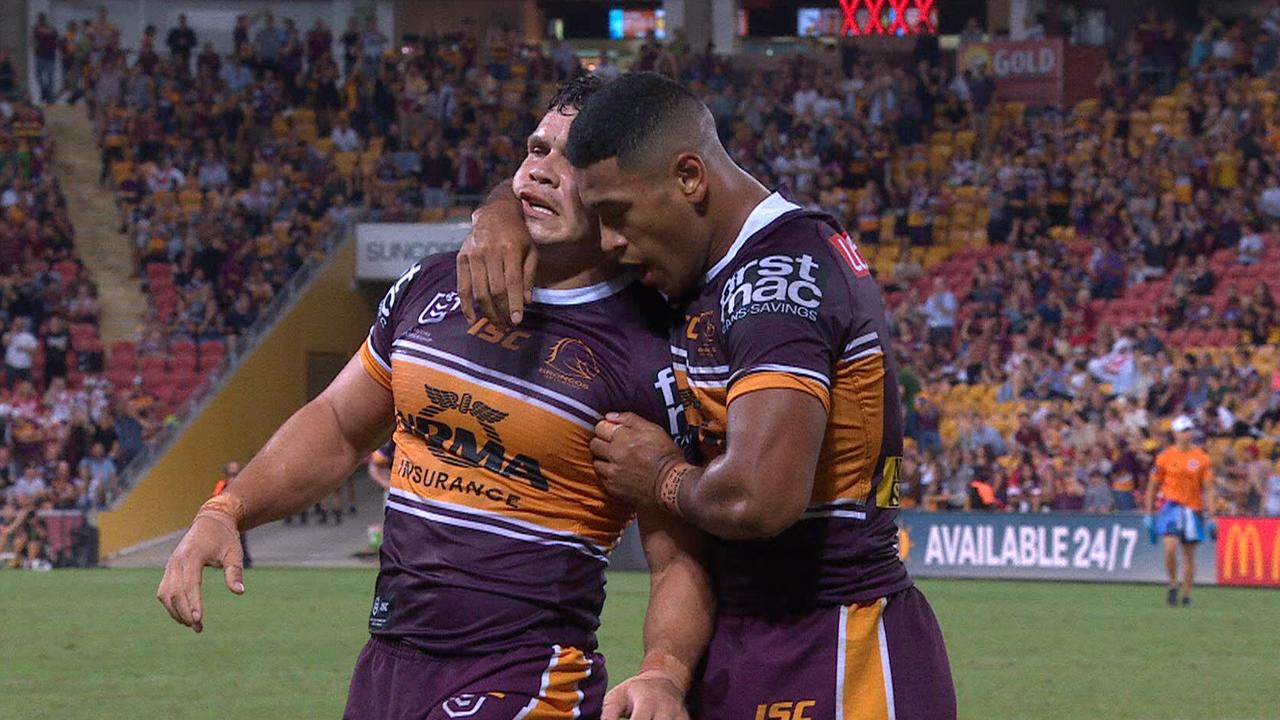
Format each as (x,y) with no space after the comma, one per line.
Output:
(444,16)
(16,38)
(212,20)
(332,317)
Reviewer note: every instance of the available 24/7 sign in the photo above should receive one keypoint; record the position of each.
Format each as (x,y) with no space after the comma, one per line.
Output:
(1042,546)
(1028,71)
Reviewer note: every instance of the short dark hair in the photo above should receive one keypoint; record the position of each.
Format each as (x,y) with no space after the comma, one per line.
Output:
(626,115)
(573,94)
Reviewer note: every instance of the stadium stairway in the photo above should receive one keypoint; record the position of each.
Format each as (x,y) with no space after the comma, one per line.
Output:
(293,545)
(314,334)
(105,250)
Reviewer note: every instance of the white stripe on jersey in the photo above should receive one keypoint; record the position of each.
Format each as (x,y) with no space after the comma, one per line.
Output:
(789,369)
(534,527)
(532,387)
(861,340)
(392,504)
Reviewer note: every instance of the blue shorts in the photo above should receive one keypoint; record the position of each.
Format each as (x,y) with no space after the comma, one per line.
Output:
(1181,522)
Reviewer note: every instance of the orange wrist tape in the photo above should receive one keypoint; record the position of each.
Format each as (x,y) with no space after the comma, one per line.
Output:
(669,666)
(223,508)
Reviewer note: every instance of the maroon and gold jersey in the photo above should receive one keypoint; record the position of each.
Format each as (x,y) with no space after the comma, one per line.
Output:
(497,531)
(793,305)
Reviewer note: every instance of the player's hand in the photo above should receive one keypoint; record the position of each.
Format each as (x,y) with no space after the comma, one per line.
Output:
(629,454)
(495,266)
(208,543)
(651,695)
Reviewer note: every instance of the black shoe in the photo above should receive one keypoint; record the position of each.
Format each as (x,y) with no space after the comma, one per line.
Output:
(1188,602)
(1173,597)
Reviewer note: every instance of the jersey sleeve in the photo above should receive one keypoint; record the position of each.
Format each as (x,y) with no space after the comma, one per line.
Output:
(384,455)
(395,310)
(784,317)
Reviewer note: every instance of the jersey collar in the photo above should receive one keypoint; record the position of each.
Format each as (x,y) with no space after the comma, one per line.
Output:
(582,295)
(769,209)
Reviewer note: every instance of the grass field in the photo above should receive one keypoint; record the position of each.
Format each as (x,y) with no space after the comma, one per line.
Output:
(96,644)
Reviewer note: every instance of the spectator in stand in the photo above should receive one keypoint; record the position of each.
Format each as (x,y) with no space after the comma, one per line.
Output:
(350,46)
(22,536)
(372,43)
(940,310)
(20,348)
(8,76)
(44,46)
(344,137)
(181,41)
(268,42)
(102,475)
(1098,497)
(57,343)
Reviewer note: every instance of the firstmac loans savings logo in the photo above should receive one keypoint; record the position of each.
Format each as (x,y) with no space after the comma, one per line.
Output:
(775,284)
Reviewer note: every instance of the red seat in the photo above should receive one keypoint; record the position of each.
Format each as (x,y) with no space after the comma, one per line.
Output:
(120,378)
(213,346)
(182,363)
(211,361)
(183,347)
(151,365)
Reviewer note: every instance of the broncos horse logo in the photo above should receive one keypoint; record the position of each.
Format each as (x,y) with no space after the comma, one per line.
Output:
(572,357)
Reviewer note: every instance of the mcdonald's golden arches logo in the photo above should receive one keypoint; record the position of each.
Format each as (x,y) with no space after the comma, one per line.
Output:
(1249,551)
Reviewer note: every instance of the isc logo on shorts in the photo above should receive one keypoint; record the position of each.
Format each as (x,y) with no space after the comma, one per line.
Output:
(785,710)
(776,284)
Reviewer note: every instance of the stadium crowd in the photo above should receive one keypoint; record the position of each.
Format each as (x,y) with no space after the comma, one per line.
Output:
(64,431)
(1062,281)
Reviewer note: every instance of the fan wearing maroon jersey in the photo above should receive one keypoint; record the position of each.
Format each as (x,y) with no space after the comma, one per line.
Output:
(783,364)
(497,530)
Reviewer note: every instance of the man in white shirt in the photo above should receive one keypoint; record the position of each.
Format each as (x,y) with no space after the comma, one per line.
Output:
(940,313)
(803,100)
(1250,247)
(345,138)
(20,348)
(30,486)
(166,178)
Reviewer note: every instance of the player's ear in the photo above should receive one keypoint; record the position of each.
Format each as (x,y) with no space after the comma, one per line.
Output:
(691,176)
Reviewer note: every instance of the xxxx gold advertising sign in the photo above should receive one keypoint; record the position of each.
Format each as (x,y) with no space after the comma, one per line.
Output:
(1249,551)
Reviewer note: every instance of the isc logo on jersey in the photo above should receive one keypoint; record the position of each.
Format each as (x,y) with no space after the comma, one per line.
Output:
(776,284)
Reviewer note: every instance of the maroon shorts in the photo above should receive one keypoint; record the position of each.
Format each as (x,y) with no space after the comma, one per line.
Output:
(393,681)
(882,660)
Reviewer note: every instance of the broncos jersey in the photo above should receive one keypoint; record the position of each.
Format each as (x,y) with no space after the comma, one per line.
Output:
(793,305)
(497,531)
